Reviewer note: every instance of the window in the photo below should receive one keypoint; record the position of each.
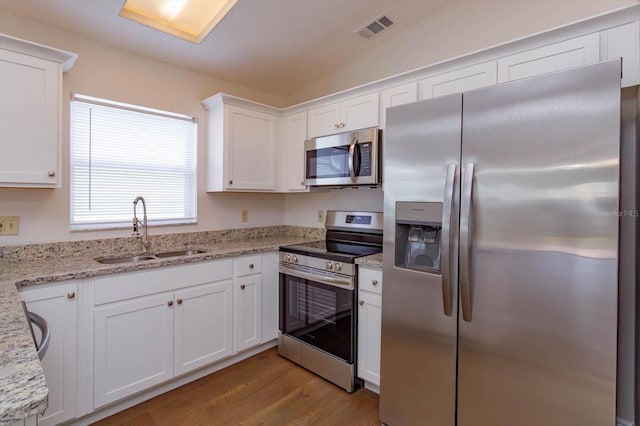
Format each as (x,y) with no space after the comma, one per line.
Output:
(120,151)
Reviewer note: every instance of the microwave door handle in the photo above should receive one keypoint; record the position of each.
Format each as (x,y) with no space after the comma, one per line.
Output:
(352,153)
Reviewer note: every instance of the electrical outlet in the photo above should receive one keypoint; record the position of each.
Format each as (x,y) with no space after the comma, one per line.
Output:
(321,216)
(9,225)
(244,215)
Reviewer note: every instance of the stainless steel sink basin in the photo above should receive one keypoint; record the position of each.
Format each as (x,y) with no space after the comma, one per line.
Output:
(181,253)
(143,257)
(126,259)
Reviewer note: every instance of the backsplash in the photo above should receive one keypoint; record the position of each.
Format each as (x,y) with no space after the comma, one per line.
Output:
(131,245)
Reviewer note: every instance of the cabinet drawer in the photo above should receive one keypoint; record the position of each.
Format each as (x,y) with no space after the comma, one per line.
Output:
(248,265)
(370,280)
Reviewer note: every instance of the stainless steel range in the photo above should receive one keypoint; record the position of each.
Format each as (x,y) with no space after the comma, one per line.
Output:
(318,319)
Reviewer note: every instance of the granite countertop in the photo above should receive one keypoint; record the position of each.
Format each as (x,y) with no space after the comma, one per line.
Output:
(373,261)
(23,390)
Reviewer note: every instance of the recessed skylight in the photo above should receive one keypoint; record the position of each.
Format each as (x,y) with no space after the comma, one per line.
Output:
(190,20)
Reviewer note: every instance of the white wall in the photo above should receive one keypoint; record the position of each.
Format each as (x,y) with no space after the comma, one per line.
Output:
(111,73)
(302,209)
(455,29)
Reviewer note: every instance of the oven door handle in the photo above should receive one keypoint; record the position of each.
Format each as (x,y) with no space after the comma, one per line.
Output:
(345,283)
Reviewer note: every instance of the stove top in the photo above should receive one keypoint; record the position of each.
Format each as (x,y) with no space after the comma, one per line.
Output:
(332,250)
(349,235)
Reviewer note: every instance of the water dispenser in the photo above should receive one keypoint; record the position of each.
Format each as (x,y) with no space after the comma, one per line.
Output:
(418,235)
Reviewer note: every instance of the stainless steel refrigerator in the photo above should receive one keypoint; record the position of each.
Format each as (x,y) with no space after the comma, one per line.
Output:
(499,305)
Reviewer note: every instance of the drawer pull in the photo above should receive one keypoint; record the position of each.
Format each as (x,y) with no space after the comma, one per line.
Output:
(51,173)
(71,295)
(242,286)
(170,303)
(179,301)
(251,266)
(374,282)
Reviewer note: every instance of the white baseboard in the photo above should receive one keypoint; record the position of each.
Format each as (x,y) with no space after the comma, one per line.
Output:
(623,422)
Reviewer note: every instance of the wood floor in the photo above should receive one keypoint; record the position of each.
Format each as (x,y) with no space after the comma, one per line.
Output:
(263,390)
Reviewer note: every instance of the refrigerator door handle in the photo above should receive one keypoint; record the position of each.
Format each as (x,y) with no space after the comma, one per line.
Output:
(352,154)
(465,242)
(447,246)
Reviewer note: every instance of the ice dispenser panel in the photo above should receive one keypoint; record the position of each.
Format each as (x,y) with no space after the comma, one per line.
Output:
(418,234)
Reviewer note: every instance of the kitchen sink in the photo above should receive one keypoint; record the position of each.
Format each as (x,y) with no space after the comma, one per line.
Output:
(126,259)
(180,253)
(143,257)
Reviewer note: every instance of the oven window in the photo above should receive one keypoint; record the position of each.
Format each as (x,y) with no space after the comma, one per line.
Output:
(318,314)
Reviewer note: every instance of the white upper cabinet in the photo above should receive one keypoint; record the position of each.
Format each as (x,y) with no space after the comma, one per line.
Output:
(354,113)
(394,96)
(624,42)
(30,113)
(553,57)
(460,80)
(294,133)
(241,147)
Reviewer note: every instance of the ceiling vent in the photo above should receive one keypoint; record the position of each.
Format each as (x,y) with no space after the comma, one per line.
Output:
(374,27)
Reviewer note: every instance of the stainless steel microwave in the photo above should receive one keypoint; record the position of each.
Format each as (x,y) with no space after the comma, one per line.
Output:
(344,159)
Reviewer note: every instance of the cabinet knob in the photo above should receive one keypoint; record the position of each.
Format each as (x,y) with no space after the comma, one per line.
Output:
(170,303)
(361,302)
(179,301)
(251,266)
(341,124)
(336,125)
(374,282)
(242,286)
(71,295)
(231,182)
(51,173)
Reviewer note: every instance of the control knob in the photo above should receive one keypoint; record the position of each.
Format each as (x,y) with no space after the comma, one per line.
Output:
(294,258)
(337,266)
(287,258)
(329,266)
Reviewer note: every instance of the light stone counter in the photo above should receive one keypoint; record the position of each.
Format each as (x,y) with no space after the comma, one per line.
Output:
(373,261)
(23,390)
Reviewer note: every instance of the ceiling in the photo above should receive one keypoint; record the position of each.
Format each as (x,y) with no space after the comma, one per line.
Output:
(272,45)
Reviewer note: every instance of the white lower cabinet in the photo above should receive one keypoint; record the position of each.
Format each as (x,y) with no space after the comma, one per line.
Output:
(143,339)
(202,320)
(369,325)
(247,305)
(58,305)
(133,347)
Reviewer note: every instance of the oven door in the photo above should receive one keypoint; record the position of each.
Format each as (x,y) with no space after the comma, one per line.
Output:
(343,159)
(318,309)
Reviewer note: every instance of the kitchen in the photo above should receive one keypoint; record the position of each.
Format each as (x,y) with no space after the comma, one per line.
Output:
(140,80)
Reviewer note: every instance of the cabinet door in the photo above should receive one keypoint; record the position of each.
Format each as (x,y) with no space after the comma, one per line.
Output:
(28,120)
(203,325)
(624,42)
(58,306)
(295,133)
(133,346)
(554,57)
(250,147)
(324,120)
(460,80)
(369,330)
(248,303)
(394,96)
(270,299)
(360,112)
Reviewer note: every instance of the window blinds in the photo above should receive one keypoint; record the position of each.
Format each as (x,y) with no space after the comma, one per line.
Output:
(120,151)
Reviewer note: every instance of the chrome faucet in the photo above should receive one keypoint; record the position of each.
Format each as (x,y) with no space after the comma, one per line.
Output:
(136,222)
